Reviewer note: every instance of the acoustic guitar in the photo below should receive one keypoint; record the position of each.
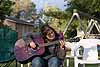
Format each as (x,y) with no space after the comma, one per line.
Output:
(23,52)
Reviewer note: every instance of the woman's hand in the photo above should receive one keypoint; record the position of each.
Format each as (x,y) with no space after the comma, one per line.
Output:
(32,45)
(62,44)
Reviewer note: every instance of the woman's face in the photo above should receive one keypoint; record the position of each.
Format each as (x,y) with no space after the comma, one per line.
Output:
(50,34)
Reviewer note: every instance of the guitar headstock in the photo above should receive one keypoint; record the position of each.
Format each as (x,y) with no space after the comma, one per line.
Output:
(77,39)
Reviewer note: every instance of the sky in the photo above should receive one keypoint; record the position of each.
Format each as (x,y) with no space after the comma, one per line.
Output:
(41,3)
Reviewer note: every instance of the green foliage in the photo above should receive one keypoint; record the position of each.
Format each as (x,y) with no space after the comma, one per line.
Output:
(88,6)
(63,18)
(33,6)
(57,14)
(72,29)
(5,8)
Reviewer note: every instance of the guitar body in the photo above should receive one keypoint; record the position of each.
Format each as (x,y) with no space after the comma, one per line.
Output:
(23,52)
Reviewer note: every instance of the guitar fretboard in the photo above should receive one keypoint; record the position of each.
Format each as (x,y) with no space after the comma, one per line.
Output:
(50,43)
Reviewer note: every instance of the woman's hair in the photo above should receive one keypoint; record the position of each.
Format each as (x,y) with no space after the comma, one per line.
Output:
(44,32)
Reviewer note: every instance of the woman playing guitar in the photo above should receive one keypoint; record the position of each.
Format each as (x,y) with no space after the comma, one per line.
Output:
(47,56)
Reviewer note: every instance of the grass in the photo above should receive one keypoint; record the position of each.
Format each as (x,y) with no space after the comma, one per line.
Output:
(13,64)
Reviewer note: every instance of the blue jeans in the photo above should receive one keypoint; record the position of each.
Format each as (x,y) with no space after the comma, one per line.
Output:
(52,62)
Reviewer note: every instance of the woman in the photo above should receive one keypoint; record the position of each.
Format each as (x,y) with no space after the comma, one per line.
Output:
(51,57)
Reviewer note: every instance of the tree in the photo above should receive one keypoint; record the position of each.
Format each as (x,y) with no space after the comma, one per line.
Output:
(91,7)
(60,20)
(5,8)
(55,12)
(27,13)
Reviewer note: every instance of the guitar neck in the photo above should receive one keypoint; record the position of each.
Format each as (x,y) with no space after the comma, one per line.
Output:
(57,42)
(73,39)
(50,43)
